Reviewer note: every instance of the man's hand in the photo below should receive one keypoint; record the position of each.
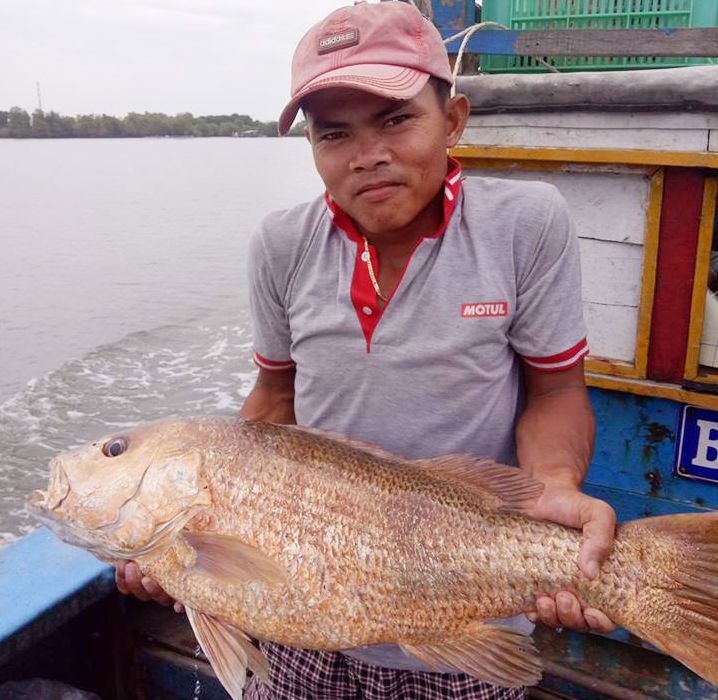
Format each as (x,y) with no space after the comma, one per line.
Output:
(554,437)
(130,581)
(564,504)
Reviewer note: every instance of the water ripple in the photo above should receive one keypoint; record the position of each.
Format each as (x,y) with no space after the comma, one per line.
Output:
(197,368)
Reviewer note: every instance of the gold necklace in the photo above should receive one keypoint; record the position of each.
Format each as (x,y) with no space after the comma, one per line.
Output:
(370,269)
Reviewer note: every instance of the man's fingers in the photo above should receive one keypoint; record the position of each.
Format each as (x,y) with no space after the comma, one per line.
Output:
(130,581)
(597,621)
(155,592)
(598,532)
(120,577)
(546,609)
(133,578)
(568,611)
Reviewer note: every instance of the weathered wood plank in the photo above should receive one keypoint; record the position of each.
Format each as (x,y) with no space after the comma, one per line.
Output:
(666,120)
(611,330)
(620,42)
(579,137)
(603,206)
(646,388)
(688,89)
(694,41)
(611,272)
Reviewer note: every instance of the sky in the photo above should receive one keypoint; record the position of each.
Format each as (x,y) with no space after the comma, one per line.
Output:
(119,56)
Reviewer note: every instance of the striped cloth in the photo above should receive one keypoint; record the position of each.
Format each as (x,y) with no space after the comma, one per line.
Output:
(320,675)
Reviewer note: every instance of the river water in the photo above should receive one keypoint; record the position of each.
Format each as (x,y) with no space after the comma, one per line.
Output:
(122,287)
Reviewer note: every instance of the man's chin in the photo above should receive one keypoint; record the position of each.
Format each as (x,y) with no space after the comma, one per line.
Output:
(381,229)
(380,222)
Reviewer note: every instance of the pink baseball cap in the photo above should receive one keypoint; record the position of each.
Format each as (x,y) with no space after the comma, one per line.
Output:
(386,48)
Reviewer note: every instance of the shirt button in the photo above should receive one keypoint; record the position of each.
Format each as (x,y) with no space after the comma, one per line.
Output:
(365,256)
(367,310)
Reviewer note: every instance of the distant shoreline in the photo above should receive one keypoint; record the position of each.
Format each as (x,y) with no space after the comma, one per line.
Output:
(17,123)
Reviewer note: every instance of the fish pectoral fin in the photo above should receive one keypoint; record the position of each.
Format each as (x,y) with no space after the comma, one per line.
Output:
(230,652)
(498,486)
(230,559)
(497,655)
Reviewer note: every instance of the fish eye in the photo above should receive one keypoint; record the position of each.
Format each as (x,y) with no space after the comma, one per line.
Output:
(114,447)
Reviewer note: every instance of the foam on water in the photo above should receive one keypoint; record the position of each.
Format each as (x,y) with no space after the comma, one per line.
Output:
(202,367)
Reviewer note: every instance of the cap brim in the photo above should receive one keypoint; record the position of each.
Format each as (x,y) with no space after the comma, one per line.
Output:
(393,82)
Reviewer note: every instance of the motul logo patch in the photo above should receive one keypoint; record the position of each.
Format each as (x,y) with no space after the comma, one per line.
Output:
(334,42)
(485,309)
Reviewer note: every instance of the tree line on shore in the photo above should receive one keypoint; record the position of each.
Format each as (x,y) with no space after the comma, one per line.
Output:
(18,123)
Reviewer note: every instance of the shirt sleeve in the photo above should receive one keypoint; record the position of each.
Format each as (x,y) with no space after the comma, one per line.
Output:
(271,335)
(548,330)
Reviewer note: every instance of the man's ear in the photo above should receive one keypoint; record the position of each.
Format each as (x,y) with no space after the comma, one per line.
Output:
(457,114)
(307,135)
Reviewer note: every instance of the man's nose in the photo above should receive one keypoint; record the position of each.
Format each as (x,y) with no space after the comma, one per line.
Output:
(370,152)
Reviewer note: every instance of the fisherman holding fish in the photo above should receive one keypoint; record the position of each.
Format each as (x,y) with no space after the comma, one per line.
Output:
(419,310)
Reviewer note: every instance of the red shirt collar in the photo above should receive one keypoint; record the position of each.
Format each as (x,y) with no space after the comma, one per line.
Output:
(452,186)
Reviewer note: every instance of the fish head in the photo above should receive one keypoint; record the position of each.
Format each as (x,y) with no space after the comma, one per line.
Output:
(127,493)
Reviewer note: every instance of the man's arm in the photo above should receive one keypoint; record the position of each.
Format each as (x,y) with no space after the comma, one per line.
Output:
(555,437)
(272,400)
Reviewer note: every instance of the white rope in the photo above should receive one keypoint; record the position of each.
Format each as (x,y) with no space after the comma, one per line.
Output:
(467,34)
(472,28)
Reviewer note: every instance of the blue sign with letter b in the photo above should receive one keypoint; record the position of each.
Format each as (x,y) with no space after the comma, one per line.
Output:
(697,444)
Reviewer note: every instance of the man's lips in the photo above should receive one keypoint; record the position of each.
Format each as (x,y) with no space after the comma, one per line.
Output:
(377,191)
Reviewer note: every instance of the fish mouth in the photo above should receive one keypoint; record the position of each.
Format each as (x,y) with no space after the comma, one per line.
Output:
(58,489)
(46,508)
(37,501)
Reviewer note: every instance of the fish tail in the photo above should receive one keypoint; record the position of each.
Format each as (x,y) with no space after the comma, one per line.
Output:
(677,598)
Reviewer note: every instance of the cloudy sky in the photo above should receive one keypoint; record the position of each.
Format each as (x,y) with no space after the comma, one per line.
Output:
(118,56)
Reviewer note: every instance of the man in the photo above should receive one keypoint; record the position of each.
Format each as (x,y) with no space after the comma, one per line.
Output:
(418,311)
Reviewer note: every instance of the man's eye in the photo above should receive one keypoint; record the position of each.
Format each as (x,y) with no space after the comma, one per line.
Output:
(332,136)
(396,120)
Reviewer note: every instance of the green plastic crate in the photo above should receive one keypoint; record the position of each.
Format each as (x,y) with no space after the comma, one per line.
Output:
(595,14)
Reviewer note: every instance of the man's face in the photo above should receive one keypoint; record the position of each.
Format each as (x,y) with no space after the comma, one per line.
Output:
(383,161)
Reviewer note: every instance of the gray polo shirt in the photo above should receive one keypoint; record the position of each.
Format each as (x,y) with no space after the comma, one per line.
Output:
(437,370)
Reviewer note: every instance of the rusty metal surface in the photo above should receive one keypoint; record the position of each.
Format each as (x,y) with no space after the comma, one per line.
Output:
(541,694)
(634,457)
(598,685)
(593,667)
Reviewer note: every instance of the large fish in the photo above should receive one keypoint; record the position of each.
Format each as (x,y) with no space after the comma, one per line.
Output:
(309,539)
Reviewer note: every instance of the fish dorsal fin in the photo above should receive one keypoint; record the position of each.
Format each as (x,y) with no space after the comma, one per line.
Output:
(493,654)
(230,652)
(498,486)
(229,559)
